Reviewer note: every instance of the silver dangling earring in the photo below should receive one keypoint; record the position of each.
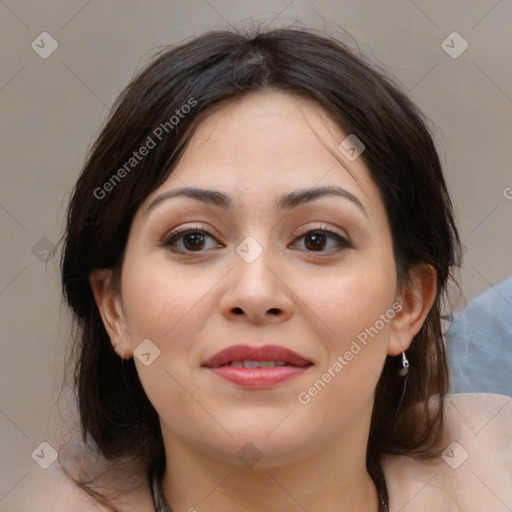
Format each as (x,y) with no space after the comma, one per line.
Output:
(405,366)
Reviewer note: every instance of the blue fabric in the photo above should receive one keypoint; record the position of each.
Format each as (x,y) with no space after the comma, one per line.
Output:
(480,343)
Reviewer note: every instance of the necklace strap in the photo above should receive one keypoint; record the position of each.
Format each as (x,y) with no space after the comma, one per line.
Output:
(155,485)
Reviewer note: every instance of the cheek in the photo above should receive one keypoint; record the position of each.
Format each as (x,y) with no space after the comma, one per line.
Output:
(357,309)
(168,308)
(351,298)
(159,303)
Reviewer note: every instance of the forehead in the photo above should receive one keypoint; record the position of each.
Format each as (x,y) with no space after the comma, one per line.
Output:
(275,129)
(265,144)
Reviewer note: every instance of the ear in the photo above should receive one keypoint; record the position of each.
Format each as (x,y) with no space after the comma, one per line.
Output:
(111,311)
(416,299)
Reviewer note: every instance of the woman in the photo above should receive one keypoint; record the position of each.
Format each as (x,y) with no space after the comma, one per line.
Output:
(257,251)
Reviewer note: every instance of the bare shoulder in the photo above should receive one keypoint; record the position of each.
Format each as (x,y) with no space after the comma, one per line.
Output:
(474,468)
(50,490)
(495,410)
(55,490)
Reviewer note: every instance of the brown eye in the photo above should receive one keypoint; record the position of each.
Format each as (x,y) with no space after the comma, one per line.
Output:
(315,241)
(318,240)
(190,240)
(193,241)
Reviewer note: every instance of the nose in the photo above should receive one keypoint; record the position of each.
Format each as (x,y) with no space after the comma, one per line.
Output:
(257,291)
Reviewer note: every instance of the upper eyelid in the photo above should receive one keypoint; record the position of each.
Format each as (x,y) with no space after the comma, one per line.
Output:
(300,232)
(168,235)
(328,229)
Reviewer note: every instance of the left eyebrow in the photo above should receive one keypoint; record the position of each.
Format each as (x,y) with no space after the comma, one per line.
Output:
(299,197)
(287,201)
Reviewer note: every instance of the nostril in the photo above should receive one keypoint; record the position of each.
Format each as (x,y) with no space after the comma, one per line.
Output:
(237,311)
(274,311)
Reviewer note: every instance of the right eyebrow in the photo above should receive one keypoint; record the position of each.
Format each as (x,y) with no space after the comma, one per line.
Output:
(207,196)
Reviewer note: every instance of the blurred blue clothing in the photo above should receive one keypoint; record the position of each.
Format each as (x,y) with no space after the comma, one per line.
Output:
(480,343)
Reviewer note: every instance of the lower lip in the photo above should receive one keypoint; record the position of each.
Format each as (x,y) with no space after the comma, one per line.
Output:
(258,378)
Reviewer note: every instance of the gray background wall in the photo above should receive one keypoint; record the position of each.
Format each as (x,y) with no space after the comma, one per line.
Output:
(53,107)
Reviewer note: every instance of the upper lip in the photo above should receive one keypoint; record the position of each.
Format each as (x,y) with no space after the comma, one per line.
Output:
(252,353)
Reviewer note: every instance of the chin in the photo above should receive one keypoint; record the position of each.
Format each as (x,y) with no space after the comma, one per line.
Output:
(260,446)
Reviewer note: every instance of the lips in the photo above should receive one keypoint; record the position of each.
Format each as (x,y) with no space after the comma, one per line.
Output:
(257,367)
(266,353)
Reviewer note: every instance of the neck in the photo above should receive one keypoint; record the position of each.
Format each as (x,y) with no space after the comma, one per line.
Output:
(331,480)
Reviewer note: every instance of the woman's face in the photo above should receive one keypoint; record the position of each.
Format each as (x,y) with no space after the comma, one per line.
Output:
(270,262)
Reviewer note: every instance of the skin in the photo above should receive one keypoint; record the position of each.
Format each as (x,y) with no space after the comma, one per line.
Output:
(315,302)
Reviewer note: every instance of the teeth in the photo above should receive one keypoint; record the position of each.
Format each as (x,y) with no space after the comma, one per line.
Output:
(267,364)
(257,364)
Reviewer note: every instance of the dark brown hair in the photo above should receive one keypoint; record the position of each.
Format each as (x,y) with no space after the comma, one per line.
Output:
(400,155)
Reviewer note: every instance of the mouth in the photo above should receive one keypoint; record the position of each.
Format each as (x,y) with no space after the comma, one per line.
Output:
(257,364)
(257,367)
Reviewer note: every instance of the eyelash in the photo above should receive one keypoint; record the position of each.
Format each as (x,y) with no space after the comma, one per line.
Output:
(171,238)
